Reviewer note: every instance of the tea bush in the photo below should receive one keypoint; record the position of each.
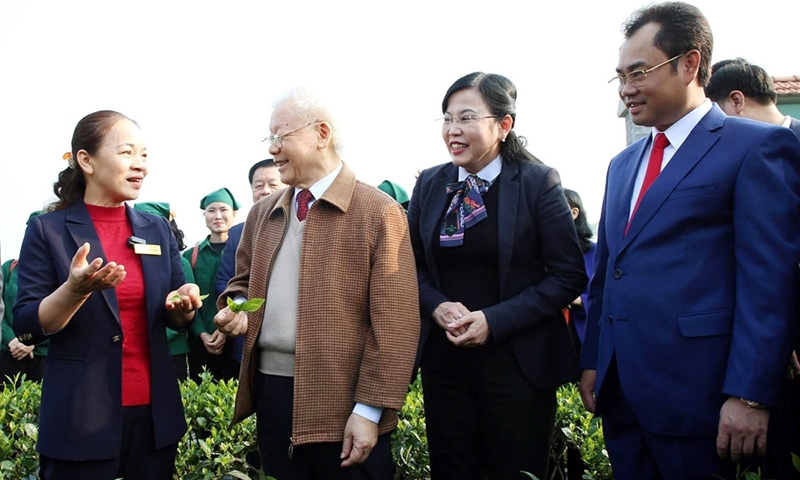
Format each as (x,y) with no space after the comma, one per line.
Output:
(212,449)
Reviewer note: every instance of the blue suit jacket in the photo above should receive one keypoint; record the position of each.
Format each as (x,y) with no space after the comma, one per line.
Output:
(697,302)
(81,411)
(226,270)
(540,261)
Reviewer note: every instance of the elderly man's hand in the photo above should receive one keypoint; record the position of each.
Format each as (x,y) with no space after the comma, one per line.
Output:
(229,323)
(360,437)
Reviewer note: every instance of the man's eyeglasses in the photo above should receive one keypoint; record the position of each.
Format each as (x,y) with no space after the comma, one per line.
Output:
(637,77)
(447,120)
(277,140)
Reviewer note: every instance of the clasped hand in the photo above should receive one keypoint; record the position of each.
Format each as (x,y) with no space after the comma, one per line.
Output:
(463,328)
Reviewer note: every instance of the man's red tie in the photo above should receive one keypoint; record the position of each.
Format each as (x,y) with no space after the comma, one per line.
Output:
(653,169)
(303,197)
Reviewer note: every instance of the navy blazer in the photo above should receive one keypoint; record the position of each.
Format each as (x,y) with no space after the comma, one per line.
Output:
(698,301)
(540,263)
(81,411)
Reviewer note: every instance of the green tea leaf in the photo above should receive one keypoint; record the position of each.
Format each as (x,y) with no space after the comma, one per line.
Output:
(174,297)
(203,297)
(251,305)
(247,306)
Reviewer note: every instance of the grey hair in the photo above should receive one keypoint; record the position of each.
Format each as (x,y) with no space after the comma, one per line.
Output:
(310,107)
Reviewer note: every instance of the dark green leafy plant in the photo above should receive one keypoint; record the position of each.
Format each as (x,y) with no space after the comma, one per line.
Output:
(211,448)
(580,430)
(410,440)
(19,428)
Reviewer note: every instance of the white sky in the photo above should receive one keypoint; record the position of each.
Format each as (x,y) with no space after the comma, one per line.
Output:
(200,77)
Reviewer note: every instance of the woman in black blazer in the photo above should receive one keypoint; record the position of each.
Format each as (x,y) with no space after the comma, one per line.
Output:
(111,406)
(497,259)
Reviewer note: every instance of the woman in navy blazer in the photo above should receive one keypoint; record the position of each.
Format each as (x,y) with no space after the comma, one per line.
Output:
(111,406)
(497,260)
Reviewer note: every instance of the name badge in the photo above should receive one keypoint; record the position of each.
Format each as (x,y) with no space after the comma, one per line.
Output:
(145,249)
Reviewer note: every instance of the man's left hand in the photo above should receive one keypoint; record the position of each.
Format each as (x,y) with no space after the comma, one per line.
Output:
(360,437)
(742,430)
(477,330)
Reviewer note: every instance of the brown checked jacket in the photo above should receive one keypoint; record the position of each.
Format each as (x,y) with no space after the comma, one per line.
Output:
(358,308)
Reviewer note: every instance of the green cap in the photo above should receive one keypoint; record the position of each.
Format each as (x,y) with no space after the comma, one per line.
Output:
(395,191)
(33,214)
(222,195)
(156,208)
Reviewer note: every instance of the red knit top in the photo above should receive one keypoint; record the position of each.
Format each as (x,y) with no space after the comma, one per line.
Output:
(114,231)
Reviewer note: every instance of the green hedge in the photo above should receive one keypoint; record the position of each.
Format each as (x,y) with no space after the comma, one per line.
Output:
(212,449)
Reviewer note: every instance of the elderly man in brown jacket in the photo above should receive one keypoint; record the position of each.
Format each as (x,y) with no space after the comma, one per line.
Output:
(328,356)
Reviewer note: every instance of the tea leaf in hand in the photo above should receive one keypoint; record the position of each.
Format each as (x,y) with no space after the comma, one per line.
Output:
(203,297)
(247,306)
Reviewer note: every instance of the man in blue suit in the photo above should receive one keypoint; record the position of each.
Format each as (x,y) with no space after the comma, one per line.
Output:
(694,297)
(742,89)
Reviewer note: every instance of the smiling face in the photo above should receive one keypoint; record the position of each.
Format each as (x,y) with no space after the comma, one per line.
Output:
(472,145)
(299,160)
(219,219)
(115,172)
(662,98)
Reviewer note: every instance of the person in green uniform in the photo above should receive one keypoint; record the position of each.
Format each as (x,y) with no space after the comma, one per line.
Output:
(207,346)
(178,341)
(395,191)
(16,357)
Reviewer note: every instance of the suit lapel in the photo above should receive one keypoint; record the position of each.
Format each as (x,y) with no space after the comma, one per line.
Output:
(152,265)
(431,217)
(697,144)
(622,202)
(81,229)
(508,203)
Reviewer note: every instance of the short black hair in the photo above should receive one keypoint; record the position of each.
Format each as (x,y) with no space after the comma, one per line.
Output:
(683,28)
(739,74)
(263,163)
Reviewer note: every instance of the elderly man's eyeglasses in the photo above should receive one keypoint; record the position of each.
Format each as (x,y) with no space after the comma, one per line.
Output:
(637,77)
(447,120)
(277,140)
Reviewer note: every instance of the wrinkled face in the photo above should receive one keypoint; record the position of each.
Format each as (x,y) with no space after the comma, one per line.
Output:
(661,98)
(219,217)
(265,181)
(472,144)
(297,158)
(117,170)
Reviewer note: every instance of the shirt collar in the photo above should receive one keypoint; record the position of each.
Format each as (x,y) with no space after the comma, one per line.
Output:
(680,130)
(787,122)
(487,173)
(322,185)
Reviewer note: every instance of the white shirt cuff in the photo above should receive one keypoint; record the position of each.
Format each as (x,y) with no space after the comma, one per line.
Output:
(369,412)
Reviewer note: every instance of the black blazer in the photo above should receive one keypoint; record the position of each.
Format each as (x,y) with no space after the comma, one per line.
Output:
(540,263)
(81,410)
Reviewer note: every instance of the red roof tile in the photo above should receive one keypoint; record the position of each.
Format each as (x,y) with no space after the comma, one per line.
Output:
(787,85)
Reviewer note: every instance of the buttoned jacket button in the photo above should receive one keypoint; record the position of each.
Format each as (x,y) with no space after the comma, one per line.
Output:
(116,338)
(617,274)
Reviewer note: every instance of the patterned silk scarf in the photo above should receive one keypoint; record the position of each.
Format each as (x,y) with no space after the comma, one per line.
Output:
(465,210)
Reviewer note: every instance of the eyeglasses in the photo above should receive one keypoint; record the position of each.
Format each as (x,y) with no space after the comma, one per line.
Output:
(637,77)
(277,140)
(464,119)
